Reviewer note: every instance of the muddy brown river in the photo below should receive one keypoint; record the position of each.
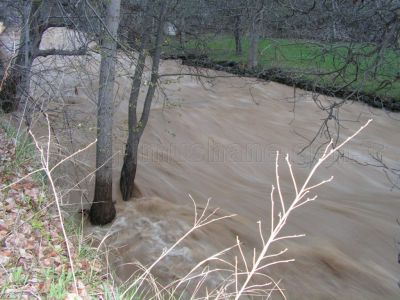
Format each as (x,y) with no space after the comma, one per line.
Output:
(218,140)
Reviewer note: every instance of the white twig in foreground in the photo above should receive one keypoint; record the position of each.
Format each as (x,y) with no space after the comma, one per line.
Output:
(283,214)
(45,161)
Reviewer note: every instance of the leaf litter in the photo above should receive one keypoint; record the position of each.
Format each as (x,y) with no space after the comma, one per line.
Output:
(33,254)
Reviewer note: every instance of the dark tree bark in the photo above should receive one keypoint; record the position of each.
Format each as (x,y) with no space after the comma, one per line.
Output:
(102,210)
(238,40)
(128,172)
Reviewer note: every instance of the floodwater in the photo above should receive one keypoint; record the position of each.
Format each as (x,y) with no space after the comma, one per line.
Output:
(218,140)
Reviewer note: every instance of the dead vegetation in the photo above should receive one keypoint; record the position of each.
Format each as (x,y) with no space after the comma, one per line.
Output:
(33,252)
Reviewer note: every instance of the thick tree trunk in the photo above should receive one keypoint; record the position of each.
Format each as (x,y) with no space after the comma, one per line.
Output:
(128,172)
(252,61)
(103,210)
(238,41)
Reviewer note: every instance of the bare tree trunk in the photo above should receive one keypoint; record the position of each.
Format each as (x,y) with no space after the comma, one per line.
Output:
(252,61)
(238,41)
(103,210)
(128,172)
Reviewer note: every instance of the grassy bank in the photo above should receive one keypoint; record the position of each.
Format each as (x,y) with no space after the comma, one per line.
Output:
(335,64)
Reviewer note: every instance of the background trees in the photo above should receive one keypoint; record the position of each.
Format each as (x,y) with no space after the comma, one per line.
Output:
(35,18)
(344,49)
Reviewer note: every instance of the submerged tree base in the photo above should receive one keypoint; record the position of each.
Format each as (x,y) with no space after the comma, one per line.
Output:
(102,213)
(103,210)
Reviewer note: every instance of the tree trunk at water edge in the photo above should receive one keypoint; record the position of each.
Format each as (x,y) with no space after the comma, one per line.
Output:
(135,130)
(102,210)
(128,172)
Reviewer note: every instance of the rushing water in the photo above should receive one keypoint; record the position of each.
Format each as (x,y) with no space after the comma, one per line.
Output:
(218,140)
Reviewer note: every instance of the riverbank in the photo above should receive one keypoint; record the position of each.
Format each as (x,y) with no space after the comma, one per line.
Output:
(288,78)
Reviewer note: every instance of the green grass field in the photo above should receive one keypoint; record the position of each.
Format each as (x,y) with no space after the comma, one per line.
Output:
(336,64)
